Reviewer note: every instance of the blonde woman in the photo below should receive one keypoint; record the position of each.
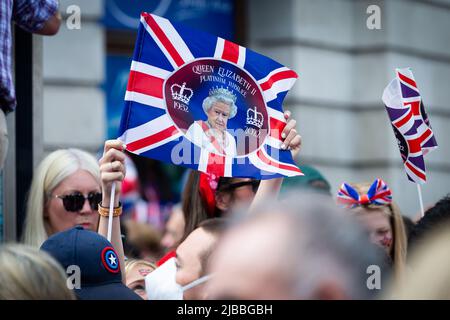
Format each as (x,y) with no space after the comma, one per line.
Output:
(65,192)
(135,271)
(27,273)
(372,205)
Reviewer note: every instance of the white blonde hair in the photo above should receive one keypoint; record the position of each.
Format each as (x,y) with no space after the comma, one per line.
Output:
(56,167)
(27,273)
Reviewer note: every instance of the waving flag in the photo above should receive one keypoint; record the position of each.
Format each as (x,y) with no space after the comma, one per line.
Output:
(410,122)
(203,102)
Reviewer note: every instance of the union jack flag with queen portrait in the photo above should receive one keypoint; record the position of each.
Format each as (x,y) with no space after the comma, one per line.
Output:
(206,103)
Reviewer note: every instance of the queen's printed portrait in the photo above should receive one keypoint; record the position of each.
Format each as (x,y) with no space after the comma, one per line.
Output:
(212,134)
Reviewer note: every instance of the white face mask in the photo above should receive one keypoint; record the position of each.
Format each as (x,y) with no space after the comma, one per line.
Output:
(161,284)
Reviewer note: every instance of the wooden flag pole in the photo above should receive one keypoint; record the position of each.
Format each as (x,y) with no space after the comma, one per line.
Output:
(111,208)
(419,191)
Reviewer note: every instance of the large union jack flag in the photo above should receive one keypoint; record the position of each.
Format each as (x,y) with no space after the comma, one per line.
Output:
(410,122)
(173,73)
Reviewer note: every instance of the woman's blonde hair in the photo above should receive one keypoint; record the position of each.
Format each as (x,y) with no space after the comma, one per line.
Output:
(399,247)
(56,167)
(30,274)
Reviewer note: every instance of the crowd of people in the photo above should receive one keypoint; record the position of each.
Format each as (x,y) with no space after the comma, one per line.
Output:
(228,238)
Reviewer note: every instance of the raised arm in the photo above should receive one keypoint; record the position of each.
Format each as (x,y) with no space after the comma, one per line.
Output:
(51,26)
(112,170)
(37,16)
(291,141)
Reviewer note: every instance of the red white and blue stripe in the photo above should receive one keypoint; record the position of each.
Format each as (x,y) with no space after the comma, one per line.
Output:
(147,129)
(410,123)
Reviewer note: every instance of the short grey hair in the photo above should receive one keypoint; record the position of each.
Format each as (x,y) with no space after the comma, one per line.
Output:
(321,241)
(220,97)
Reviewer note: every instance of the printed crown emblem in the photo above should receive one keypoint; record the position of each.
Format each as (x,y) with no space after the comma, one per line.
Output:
(255,118)
(181,93)
(222,91)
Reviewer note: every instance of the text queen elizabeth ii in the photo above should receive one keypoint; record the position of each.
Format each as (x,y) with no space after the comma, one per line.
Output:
(212,134)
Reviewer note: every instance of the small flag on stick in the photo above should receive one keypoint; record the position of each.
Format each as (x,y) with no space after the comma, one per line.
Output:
(411,125)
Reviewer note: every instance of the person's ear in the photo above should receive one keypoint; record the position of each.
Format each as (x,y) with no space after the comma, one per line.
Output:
(223,201)
(46,210)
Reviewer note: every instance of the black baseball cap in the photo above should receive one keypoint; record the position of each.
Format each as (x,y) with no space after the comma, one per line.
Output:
(99,265)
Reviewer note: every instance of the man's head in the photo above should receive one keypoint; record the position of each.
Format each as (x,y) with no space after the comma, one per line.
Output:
(434,218)
(304,248)
(313,180)
(95,259)
(192,255)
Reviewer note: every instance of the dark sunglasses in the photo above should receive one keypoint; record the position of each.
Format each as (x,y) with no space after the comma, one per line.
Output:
(253,183)
(74,202)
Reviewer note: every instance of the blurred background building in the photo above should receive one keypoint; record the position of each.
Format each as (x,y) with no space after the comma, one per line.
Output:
(343,65)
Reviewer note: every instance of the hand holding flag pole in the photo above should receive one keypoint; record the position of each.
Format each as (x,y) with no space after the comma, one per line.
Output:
(111,204)
(112,173)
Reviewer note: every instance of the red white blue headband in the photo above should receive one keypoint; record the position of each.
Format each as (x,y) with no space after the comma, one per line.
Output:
(378,194)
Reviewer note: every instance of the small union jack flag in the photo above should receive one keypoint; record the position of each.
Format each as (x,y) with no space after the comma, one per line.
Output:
(203,102)
(410,122)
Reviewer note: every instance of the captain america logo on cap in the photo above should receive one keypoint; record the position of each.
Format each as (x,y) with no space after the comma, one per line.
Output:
(110,260)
